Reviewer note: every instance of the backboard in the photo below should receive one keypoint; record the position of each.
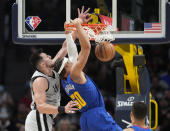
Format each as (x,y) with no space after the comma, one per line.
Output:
(137,21)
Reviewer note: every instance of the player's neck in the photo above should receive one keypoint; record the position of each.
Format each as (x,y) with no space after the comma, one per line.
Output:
(139,123)
(47,72)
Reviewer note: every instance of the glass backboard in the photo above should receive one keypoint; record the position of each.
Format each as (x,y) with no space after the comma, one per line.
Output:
(137,21)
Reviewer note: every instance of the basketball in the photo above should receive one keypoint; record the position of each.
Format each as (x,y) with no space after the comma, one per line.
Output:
(105,51)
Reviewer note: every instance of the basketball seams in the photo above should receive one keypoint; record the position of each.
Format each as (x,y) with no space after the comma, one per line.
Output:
(100,50)
(105,48)
(111,48)
(104,51)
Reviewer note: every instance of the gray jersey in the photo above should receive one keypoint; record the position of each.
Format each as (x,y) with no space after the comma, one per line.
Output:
(36,121)
(53,95)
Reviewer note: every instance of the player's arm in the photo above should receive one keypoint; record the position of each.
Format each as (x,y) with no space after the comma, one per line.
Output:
(71,46)
(63,51)
(84,15)
(76,71)
(128,129)
(40,85)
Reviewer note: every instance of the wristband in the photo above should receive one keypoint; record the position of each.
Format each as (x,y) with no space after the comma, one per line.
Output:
(61,109)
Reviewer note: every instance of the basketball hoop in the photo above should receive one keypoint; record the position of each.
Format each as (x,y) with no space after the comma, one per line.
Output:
(96,32)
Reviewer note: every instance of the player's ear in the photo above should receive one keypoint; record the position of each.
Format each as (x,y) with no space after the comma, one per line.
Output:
(41,64)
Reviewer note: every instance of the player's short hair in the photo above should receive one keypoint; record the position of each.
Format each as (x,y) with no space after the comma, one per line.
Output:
(139,110)
(57,66)
(35,58)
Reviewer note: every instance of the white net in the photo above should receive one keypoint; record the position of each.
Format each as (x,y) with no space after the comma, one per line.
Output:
(100,35)
(90,32)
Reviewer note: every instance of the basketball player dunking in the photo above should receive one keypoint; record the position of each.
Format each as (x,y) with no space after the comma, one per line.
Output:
(138,115)
(45,86)
(81,88)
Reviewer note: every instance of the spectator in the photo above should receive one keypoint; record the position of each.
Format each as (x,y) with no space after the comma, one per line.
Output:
(5,124)
(26,99)
(64,125)
(166,77)
(22,111)
(6,99)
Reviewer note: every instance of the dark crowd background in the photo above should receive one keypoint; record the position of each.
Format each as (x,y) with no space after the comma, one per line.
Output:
(15,73)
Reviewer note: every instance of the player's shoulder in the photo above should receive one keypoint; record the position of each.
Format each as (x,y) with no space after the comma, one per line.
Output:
(128,129)
(78,78)
(40,79)
(40,82)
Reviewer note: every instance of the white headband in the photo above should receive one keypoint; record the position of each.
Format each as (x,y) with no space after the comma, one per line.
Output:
(63,64)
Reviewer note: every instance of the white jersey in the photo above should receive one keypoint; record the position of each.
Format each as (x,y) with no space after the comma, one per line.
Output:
(53,95)
(43,122)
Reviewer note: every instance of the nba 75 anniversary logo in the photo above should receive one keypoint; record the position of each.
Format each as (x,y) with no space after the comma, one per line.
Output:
(33,22)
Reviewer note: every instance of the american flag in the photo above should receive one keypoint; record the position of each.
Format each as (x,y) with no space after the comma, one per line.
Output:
(152,28)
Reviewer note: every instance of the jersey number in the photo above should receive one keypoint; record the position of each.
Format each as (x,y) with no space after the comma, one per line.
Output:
(76,97)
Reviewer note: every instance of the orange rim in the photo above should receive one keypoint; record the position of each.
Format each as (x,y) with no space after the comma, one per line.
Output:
(89,25)
(95,27)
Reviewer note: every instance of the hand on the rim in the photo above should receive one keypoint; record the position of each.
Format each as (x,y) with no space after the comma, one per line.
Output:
(76,22)
(65,25)
(84,15)
(70,107)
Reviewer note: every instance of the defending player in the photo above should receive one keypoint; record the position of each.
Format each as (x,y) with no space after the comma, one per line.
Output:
(45,85)
(81,88)
(138,115)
